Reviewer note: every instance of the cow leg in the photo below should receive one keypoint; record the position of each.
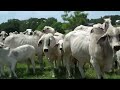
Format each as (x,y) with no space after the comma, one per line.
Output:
(40,58)
(55,64)
(2,70)
(59,64)
(33,64)
(67,64)
(96,67)
(13,69)
(80,66)
(28,66)
(52,67)
(9,70)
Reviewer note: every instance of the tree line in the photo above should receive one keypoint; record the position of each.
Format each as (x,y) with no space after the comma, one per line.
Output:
(71,20)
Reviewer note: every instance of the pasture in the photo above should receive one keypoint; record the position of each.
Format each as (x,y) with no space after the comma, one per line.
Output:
(46,74)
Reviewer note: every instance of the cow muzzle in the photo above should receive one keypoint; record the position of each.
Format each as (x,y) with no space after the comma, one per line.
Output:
(3,38)
(60,48)
(45,50)
(31,33)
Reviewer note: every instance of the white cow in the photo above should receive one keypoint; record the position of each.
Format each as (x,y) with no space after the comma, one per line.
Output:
(51,48)
(76,47)
(107,24)
(14,41)
(48,29)
(3,35)
(10,57)
(28,32)
(82,27)
(102,48)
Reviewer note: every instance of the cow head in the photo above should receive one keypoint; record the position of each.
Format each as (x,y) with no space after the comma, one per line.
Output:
(47,41)
(59,45)
(3,35)
(107,24)
(48,29)
(113,37)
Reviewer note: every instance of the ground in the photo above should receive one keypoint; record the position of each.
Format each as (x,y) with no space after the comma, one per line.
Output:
(46,74)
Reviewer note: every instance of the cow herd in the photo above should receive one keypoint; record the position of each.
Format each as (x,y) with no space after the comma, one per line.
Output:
(98,45)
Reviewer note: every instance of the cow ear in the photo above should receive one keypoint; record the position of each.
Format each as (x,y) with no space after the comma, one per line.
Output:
(92,31)
(50,39)
(39,42)
(102,39)
(6,34)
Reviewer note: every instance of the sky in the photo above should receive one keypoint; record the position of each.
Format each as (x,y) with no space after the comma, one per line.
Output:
(22,15)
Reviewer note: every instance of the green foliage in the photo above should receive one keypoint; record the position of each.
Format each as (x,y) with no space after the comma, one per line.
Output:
(74,19)
(11,25)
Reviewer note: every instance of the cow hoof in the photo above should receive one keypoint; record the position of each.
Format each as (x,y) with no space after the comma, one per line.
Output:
(14,77)
(84,78)
(69,77)
(101,77)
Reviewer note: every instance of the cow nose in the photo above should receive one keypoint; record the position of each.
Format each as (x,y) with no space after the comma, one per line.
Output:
(3,38)
(60,48)
(45,50)
(30,33)
(116,48)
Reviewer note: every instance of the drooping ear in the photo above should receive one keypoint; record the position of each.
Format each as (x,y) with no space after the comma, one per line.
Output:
(39,42)
(92,31)
(105,26)
(24,32)
(102,39)
(6,34)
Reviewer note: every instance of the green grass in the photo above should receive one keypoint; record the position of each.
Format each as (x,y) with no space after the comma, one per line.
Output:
(46,74)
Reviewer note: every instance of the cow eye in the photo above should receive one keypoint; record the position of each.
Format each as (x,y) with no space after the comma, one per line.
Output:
(49,42)
(119,37)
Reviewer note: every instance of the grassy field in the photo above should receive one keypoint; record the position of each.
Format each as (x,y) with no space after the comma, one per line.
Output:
(46,74)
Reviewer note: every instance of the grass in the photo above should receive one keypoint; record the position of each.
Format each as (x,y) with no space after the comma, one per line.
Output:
(46,74)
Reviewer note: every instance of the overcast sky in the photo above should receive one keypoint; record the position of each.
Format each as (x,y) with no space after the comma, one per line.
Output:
(22,15)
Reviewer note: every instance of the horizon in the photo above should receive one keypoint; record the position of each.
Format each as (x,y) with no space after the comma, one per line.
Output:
(23,15)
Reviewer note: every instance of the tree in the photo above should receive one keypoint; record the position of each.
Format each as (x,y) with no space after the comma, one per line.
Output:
(74,19)
(11,26)
(48,22)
